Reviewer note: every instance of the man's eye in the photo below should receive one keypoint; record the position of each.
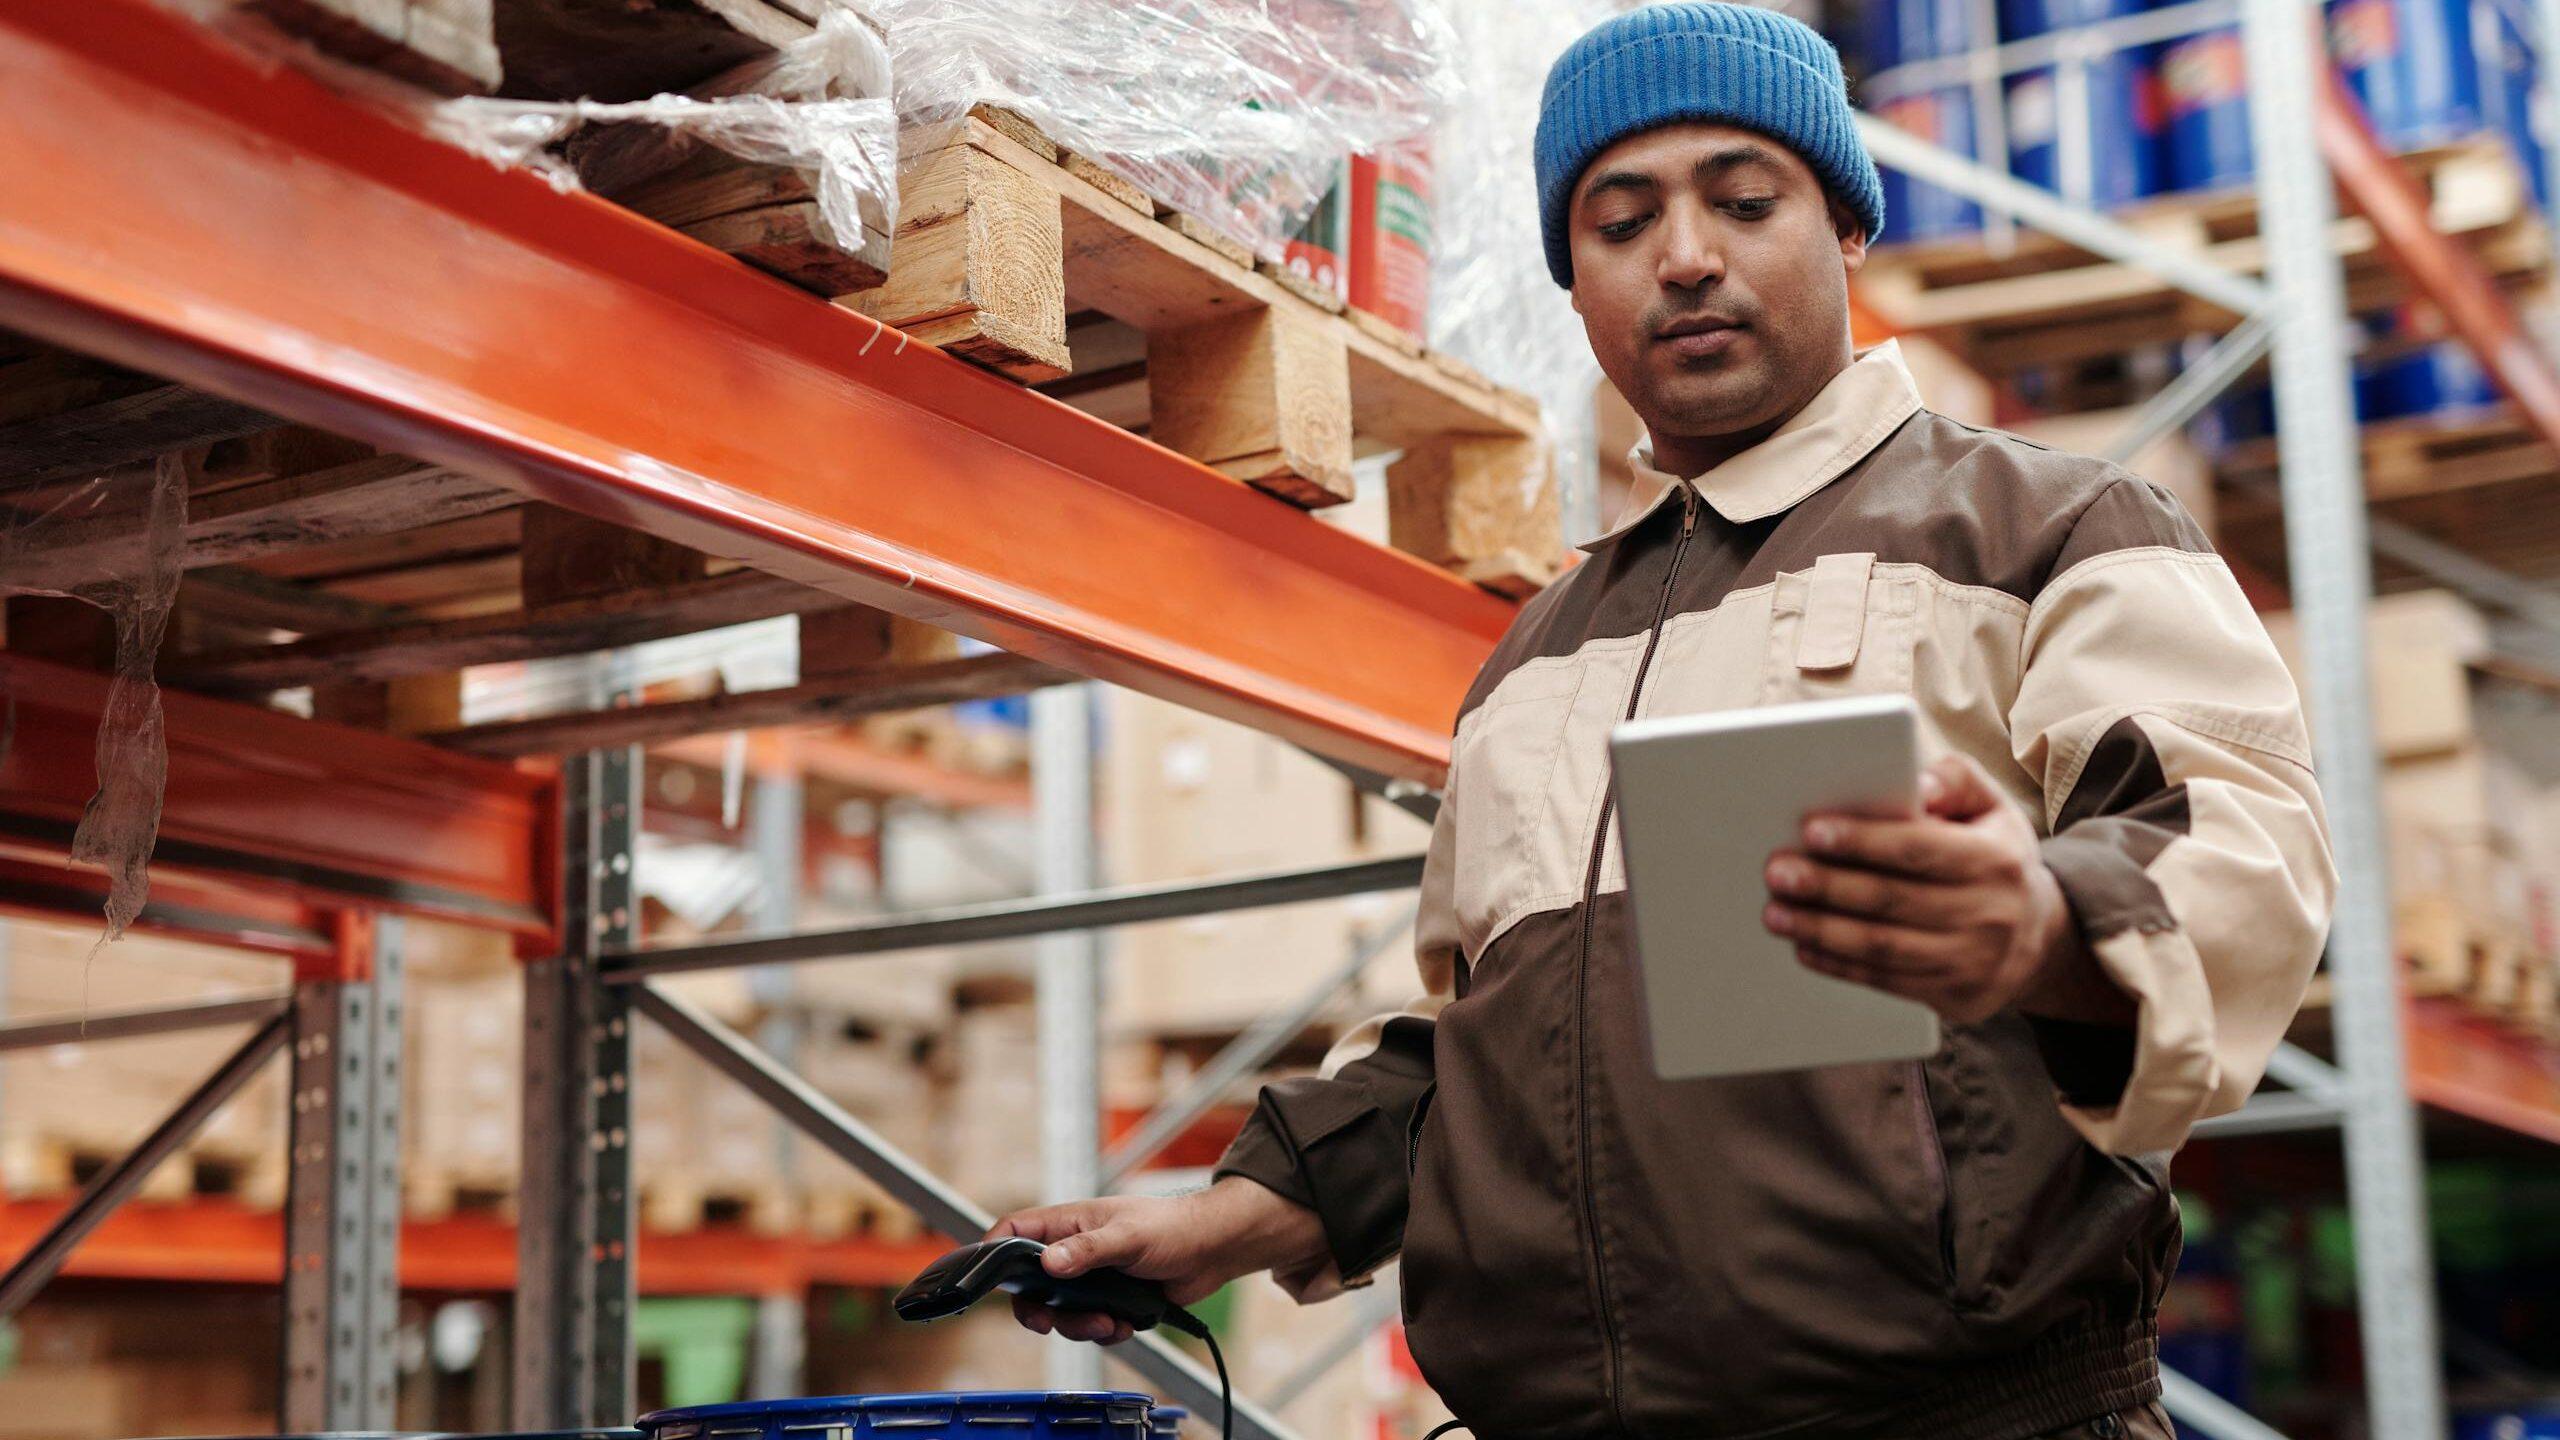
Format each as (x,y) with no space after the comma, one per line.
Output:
(1621,229)
(1752,208)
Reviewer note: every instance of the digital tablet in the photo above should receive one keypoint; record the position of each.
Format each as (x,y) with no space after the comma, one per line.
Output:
(1702,801)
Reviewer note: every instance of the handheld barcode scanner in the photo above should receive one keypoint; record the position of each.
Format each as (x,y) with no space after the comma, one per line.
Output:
(971,1273)
(967,1275)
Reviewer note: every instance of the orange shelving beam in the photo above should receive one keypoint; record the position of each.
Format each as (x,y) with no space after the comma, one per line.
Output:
(184,208)
(265,816)
(213,1240)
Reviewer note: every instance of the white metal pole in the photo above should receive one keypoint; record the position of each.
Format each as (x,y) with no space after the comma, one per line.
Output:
(1070,977)
(2332,580)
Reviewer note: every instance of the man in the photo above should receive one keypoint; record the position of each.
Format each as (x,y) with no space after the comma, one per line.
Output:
(2115,898)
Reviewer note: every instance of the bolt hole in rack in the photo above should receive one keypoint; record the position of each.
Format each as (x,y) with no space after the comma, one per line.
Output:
(601,517)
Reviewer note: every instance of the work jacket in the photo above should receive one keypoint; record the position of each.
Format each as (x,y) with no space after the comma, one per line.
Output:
(1972,1246)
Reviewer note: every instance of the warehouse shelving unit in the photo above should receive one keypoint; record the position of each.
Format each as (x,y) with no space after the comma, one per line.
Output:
(2309,137)
(178,208)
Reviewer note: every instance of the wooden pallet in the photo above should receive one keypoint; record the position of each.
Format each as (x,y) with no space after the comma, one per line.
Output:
(2048,301)
(2480,480)
(2445,950)
(1003,236)
(47,1166)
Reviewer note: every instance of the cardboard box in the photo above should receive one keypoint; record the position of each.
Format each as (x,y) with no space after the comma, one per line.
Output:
(2419,645)
(1186,796)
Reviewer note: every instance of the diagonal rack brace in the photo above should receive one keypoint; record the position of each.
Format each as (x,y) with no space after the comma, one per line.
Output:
(941,1207)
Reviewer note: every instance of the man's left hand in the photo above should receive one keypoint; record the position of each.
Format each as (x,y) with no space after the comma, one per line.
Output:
(1953,908)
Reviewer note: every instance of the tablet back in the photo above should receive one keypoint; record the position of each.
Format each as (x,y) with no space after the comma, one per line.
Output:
(1702,801)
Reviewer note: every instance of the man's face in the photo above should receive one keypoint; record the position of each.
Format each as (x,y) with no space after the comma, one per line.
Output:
(1712,273)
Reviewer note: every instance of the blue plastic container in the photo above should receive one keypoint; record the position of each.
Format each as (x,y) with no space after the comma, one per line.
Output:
(2204,88)
(2540,1423)
(2413,65)
(2119,108)
(1904,30)
(2506,83)
(2440,377)
(1021,1414)
(1916,209)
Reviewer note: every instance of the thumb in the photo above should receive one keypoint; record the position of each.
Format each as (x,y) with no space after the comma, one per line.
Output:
(1955,788)
(1112,1244)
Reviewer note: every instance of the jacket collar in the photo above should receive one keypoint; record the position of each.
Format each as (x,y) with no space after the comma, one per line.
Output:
(1836,429)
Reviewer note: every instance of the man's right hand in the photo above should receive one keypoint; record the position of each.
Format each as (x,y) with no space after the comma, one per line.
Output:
(1193,1243)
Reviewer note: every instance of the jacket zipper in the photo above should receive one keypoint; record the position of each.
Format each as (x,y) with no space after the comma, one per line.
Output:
(1582,974)
(1933,1154)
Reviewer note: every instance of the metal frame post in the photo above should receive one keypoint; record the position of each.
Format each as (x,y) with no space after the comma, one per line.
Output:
(574,1301)
(1069,996)
(342,1208)
(2326,541)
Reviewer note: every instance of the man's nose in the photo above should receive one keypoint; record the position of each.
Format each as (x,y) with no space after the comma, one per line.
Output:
(1690,258)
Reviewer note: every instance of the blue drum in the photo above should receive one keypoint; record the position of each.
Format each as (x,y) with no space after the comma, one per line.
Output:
(2112,102)
(2205,89)
(1021,1414)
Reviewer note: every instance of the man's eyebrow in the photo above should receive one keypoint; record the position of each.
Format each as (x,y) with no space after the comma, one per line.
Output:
(1609,180)
(1734,157)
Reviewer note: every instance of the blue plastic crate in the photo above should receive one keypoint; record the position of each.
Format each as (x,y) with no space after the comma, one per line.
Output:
(1014,1414)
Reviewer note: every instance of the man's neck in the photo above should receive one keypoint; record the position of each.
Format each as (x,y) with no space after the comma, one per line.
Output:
(1692,455)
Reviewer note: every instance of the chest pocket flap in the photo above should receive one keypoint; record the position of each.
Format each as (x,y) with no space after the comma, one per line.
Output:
(1835,612)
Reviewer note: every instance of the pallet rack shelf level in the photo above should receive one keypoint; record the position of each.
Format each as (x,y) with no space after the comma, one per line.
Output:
(131,127)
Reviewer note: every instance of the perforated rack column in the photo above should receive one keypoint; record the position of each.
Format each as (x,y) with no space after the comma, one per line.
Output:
(575,1294)
(342,1206)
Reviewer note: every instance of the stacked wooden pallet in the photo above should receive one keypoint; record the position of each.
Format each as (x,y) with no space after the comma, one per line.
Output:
(1031,260)
(2047,302)
(2471,806)
(68,1111)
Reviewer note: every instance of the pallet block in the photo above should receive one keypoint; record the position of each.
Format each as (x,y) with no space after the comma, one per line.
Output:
(1264,396)
(1465,501)
(977,268)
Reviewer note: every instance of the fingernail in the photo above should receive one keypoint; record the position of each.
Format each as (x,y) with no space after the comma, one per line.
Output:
(1789,875)
(1780,919)
(1822,834)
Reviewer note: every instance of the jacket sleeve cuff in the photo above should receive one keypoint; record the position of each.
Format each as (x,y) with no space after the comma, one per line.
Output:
(2091,1063)
(1326,1146)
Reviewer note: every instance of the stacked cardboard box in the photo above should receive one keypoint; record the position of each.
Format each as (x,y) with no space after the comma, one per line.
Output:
(1186,796)
(70,1107)
(2475,857)
(991,1116)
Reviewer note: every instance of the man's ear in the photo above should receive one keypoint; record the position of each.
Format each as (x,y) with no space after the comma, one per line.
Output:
(1853,237)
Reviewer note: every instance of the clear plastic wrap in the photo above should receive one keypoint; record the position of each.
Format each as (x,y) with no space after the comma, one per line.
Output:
(1492,303)
(823,109)
(1238,112)
(116,541)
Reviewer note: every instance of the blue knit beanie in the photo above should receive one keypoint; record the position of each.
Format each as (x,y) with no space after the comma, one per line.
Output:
(1729,64)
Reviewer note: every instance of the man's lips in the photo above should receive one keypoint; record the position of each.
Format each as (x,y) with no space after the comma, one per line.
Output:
(1694,325)
(1696,337)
